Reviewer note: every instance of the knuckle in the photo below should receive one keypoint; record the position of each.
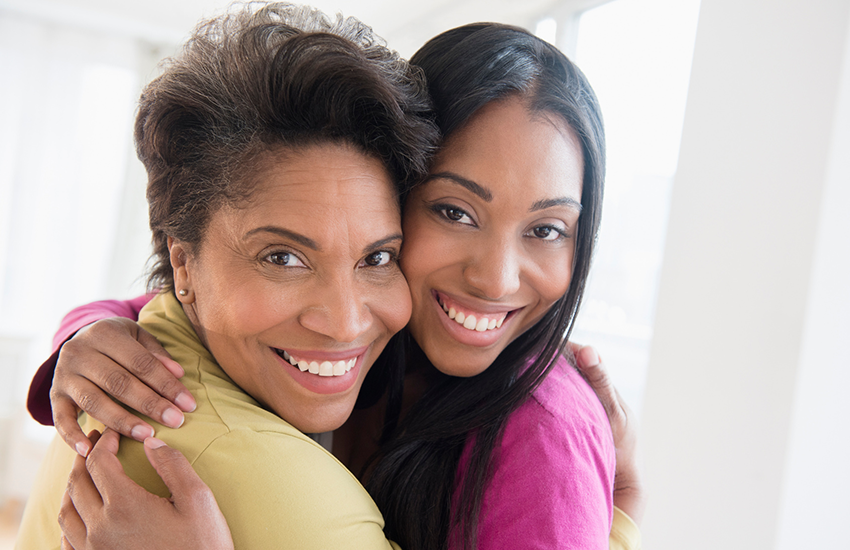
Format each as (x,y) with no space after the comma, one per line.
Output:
(88,402)
(117,383)
(143,364)
(149,406)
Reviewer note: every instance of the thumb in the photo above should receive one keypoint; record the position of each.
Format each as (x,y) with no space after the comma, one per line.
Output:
(187,488)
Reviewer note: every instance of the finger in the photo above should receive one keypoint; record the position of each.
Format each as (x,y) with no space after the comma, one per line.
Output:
(110,355)
(97,404)
(106,471)
(73,528)
(590,364)
(186,487)
(155,348)
(65,421)
(144,357)
(81,490)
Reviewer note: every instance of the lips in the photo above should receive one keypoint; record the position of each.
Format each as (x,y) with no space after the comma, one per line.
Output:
(320,367)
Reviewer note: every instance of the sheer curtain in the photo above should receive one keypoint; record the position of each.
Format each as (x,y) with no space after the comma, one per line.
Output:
(73,221)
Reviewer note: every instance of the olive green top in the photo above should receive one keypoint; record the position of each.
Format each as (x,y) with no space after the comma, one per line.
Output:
(277,488)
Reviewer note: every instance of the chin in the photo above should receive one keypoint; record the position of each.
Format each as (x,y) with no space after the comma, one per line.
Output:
(462,367)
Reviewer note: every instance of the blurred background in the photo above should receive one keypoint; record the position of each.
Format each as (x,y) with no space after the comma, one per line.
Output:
(719,296)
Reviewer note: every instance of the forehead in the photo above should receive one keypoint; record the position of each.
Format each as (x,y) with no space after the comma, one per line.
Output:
(320,190)
(511,150)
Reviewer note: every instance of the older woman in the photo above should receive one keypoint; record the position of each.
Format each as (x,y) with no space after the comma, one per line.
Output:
(277,147)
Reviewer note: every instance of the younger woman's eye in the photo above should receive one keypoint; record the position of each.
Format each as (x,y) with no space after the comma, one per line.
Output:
(284,259)
(548,233)
(377,259)
(453,213)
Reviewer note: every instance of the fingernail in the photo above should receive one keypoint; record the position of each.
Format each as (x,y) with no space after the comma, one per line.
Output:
(589,356)
(154,443)
(185,401)
(172,418)
(140,433)
(82,449)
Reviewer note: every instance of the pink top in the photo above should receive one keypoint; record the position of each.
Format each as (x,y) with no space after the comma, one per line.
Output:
(554,471)
(556,455)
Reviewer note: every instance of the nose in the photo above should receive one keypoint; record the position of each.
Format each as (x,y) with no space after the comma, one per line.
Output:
(339,311)
(494,268)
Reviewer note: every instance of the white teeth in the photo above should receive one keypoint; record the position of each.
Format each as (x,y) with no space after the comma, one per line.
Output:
(323,368)
(326,368)
(471,322)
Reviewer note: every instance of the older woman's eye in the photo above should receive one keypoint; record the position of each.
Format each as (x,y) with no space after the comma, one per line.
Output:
(548,233)
(377,259)
(284,259)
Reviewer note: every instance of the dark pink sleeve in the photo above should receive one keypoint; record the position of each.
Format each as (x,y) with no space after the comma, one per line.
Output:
(38,400)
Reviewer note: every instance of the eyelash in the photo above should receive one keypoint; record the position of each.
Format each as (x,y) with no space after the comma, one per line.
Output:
(443,209)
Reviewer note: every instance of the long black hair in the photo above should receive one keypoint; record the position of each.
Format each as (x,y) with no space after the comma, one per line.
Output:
(414,480)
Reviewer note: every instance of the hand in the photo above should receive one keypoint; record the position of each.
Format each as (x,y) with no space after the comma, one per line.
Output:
(629,495)
(116,357)
(105,509)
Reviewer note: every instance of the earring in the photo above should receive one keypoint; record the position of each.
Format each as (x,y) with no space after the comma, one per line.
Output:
(182,292)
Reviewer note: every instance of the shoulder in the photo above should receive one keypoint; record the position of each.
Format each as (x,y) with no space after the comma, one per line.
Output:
(553,471)
(274,486)
(563,412)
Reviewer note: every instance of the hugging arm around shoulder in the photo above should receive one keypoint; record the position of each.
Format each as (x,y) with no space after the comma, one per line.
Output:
(38,398)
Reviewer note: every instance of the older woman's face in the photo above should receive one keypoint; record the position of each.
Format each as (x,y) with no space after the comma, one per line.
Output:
(297,292)
(489,239)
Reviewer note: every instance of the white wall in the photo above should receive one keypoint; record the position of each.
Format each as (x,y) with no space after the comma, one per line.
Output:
(745,442)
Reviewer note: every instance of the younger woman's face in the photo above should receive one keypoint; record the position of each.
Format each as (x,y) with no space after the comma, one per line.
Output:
(489,238)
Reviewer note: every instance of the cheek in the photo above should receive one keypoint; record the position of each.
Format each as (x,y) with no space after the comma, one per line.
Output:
(552,281)
(392,305)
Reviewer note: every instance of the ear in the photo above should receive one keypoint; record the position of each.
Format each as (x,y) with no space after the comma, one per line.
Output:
(179,255)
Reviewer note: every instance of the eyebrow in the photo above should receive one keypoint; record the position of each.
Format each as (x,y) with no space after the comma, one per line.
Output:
(473,187)
(549,203)
(378,244)
(297,237)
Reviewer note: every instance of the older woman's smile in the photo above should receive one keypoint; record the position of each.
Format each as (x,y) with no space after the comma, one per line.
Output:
(297,291)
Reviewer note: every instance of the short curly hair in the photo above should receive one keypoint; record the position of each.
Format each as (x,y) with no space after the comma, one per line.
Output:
(262,77)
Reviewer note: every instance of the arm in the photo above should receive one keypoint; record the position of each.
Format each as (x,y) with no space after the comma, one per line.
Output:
(629,493)
(114,354)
